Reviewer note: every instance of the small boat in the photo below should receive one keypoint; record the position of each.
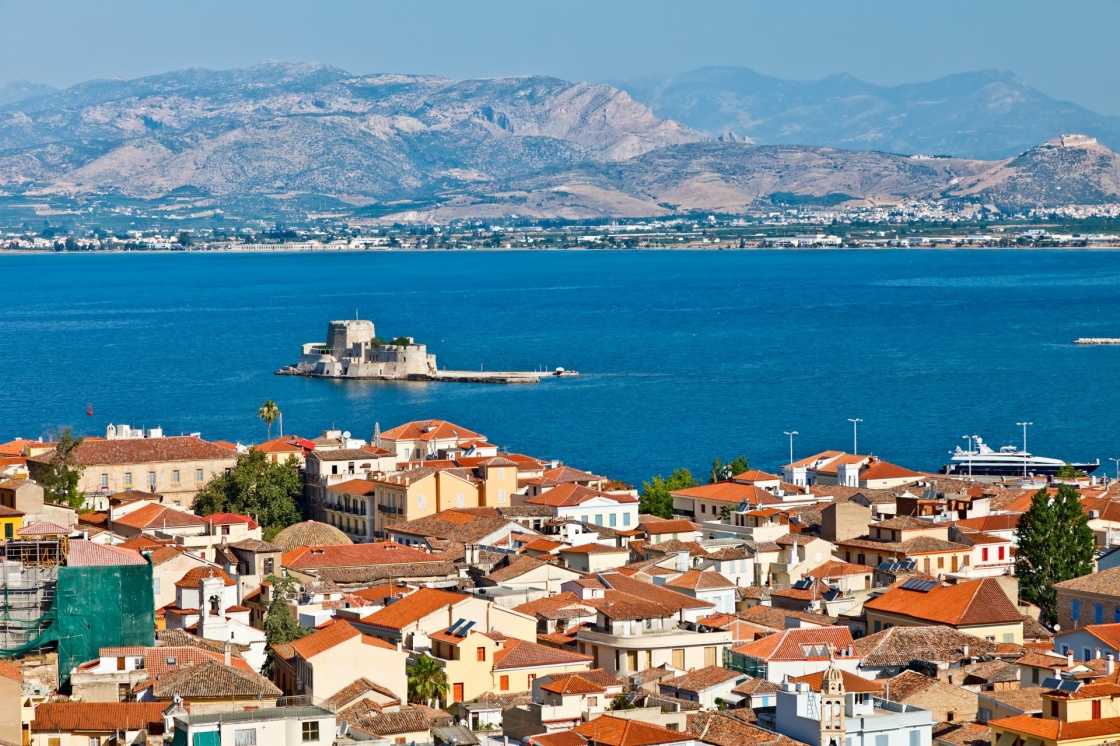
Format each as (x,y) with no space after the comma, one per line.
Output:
(89,410)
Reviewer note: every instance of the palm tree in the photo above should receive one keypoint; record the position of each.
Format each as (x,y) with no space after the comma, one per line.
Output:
(269,412)
(427,681)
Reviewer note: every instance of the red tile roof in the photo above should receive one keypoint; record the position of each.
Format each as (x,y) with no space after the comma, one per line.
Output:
(613,731)
(91,554)
(525,654)
(798,644)
(570,494)
(572,685)
(964,604)
(158,516)
(98,716)
(194,575)
(413,608)
(886,470)
(702,679)
(852,683)
(700,580)
(425,430)
(354,555)
(91,452)
(334,634)
(354,487)
(229,519)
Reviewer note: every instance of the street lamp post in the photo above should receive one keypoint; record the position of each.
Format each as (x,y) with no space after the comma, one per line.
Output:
(1117,462)
(855,433)
(969,439)
(1024,426)
(791,434)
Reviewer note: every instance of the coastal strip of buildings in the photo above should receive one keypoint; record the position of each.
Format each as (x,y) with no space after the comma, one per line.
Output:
(453,592)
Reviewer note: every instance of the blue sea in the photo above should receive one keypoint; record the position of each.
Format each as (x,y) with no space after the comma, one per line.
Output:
(683,356)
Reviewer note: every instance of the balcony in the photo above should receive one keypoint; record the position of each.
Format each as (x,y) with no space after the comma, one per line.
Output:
(390,509)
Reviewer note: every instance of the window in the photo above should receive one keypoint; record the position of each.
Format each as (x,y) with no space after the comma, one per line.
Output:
(1096,709)
(626,522)
(583,519)
(709,656)
(915,738)
(592,701)
(120,664)
(175,480)
(1001,552)
(198,475)
(334,468)
(310,731)
(1098,614)
(1053,708)
(703,508)
(457,692)
(268,565)
(940,563)
(225,530)
(1116,614)
(152,478)
(155,585)
(984,715)
(878,626)
(420,501)
(503,683)
(501,473)
(104,481)
(481,653)
(128,479)
(1086,654)
(8,530)
(246,737)
(459,500)
(881,739)
(1075,610)
(598,519)
(1034,675)
(501,496)
(678,658)
(1008,637)
(984,554)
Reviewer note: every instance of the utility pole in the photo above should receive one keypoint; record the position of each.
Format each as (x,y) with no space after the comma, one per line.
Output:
(1024,426)
(791,434)
(855,434)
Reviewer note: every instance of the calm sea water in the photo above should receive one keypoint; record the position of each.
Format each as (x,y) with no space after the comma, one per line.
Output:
(684,355)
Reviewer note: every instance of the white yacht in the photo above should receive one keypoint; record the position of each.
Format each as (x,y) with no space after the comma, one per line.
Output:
(1008,461)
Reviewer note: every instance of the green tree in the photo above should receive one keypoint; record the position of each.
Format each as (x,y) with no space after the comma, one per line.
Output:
(621,702)
(256,487)
(427,681)
(721,471)
(1069,471)
(656,494)
(279,625)
(1055,544)
(269,412)
(60,476)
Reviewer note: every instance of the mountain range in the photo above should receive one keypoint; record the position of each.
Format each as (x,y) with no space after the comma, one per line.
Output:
(434,148)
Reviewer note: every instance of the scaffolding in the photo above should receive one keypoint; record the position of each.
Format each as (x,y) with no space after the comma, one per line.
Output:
(28,582)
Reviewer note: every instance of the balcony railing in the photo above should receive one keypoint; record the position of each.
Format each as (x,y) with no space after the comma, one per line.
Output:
(390,509)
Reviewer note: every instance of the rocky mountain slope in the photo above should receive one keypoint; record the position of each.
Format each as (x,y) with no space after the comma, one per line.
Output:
(282,128)
(989,114)
(391,144)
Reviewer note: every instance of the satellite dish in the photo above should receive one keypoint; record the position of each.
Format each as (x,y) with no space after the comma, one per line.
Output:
(346,434)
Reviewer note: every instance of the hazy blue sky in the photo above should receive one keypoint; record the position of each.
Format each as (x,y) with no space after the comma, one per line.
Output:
(1066,48)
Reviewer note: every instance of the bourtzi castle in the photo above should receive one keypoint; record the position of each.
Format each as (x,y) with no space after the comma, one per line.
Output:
(353,350)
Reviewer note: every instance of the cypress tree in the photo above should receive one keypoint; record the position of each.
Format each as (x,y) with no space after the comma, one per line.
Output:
(1055,544)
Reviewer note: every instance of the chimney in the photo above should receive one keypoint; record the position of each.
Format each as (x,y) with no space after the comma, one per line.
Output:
(1069,658)
(1110,666)
(964,651)
(1096,653)
(226,654)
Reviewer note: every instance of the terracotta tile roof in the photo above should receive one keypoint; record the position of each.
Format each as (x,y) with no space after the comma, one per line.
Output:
(681,526)
(798,644)
(568,474)
(359,455)
(517,567)
(898,646)
(367,575)
(141,543)
(886,470)
(908,684)
(455,525)
(667,598)
(212,680)
(158,516)
(413,608)
(725,729)
(544,545)
(525,654)
(962,734)
(98,716)
(1027,699)
(561,738)
(196,574)
(330,636)
(356,689)
(838,569)
(768,616)
(6,512)
(700,580)
(44,528)
(354,555)
(94,451)
(1105,582)
(283,444)
(964,604)
(702,679)
(572,685)
(425,430)
(310,534)
(256,545)
(548,605)
(10,670)
(91,554)
(230,519)
(383,591)
(1059,730)
(612,731)
(730,492)
(694,548)
(756,686)
(571,494)
(368,717)
(905,523)
(755,475)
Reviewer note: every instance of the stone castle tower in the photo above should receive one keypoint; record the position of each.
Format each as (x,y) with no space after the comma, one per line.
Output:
(832,707)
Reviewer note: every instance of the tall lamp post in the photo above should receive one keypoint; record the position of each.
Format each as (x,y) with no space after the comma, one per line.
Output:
(791,434)
(969,439)
(1117,462)
(1024,426)
(855,434)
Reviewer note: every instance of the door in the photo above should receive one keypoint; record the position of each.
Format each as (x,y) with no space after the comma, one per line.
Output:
(678,658)
(631,660)
(457,693)
(709,656)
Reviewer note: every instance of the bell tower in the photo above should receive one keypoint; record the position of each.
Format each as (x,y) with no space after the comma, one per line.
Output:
(832,706)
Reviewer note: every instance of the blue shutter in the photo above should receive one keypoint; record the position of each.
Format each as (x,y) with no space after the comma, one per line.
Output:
(1075,610)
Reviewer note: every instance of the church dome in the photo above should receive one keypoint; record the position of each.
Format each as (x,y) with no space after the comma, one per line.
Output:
(309,534)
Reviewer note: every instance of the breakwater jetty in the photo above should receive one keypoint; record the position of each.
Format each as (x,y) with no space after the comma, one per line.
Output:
(354,351)
(1097,341)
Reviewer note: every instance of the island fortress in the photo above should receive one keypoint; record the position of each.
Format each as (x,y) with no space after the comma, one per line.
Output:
(353,350)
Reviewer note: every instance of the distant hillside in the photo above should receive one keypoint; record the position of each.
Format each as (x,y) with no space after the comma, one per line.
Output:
(22,90)
(283,128)
(989,114)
